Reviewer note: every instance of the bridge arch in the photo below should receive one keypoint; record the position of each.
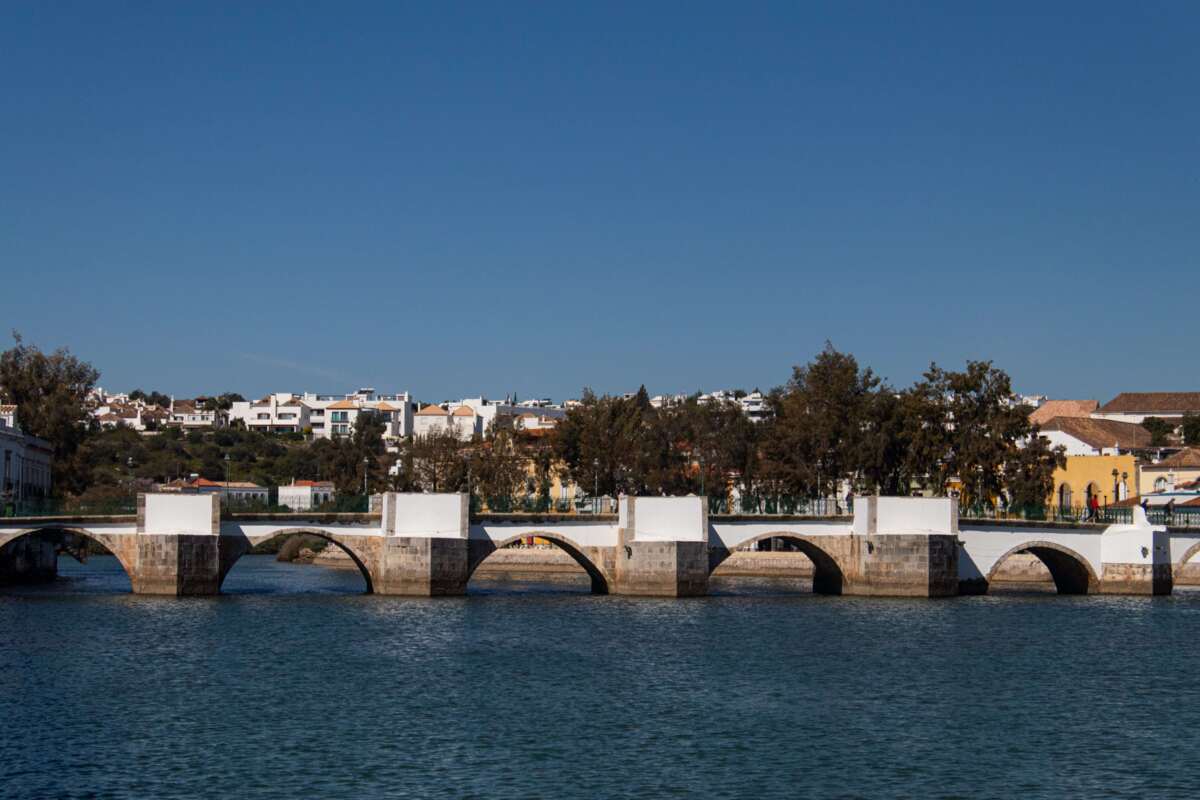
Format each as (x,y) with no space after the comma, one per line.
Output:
(1071,572)
(126,560)
(230,556)
(1177,568)
(829,577)
(479,550)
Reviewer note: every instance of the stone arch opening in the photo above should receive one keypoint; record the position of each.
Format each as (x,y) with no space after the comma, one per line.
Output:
(231,555)
(1070,571)
(1184,559)
(480,550)
(828,576)
(57,536)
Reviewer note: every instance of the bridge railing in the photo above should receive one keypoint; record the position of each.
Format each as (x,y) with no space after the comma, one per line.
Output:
(1105,515)
(779,505)
(69,507)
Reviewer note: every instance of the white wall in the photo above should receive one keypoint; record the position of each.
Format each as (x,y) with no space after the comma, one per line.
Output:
(670,519)
(1073,446)
(437,516)
(584,534)
(180,513)
(732,535)
(899,515)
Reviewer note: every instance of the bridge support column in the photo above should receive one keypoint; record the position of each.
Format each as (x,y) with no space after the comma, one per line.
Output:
(424,549)
(662,547)
(177,545)
(1136,558)
(903,547)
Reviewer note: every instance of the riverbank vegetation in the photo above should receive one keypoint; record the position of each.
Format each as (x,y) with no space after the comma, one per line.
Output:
(833,425)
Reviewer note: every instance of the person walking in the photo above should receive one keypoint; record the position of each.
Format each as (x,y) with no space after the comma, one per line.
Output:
(1094,508)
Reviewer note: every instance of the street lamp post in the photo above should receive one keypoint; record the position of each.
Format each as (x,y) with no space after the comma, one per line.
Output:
(366,465)
(595,486)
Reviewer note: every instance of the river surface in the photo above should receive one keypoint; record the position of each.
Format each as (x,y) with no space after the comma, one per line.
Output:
(295,685)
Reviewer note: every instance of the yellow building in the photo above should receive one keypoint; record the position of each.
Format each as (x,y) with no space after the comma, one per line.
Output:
(1173,471)
(1109,478)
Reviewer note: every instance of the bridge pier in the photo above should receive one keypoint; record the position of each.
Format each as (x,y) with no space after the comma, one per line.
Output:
(177,546)
(1136,558)
(662,547)
(424,551)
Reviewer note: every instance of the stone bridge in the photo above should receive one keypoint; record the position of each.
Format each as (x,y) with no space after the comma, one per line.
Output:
(428,545)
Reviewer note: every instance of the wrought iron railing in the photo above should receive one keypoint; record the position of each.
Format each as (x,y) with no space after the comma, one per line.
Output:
(779,505)
(69,507)
(1105,515)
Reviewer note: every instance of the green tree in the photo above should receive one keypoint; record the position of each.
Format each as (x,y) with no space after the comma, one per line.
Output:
(437,462)
(603,444)
(50,392)
(497,470)
(1191,429)
(965,425)
(816,439)
(1159,429)
(1029,472)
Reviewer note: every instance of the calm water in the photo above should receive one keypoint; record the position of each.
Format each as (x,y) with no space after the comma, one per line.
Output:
(294,686)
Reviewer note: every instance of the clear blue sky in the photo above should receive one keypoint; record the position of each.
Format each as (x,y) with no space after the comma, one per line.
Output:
(458,199)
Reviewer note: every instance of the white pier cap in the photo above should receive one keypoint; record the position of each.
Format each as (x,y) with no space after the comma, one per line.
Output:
(885,515)
(436,516)
(179,513)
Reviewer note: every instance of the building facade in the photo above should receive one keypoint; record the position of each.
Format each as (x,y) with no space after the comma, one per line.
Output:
(25,462)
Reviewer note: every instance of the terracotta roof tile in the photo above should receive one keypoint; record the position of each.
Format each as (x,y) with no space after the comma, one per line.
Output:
(1153,403)
(1062,408)
(432,411)
(1100,433)
(1187,458)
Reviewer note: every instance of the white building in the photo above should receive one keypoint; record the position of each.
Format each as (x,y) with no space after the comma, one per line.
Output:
(1084,436)
(491,415)
(326,416)
(24,461)
(231,492)
(462,421)
(188,415)
(306,495)
(530,421)
(754,406)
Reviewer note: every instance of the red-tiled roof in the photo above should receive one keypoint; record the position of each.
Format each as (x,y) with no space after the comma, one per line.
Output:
(1153,403)
(1100,433)
(432,411)
(1187,458)
(1062,408)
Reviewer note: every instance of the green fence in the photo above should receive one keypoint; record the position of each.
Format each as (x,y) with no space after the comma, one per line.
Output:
(1105,515)
(69,507)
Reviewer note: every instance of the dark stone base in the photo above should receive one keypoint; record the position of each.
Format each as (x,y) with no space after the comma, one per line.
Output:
(662,569)
(905,565)
(28,560)
(417,566)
